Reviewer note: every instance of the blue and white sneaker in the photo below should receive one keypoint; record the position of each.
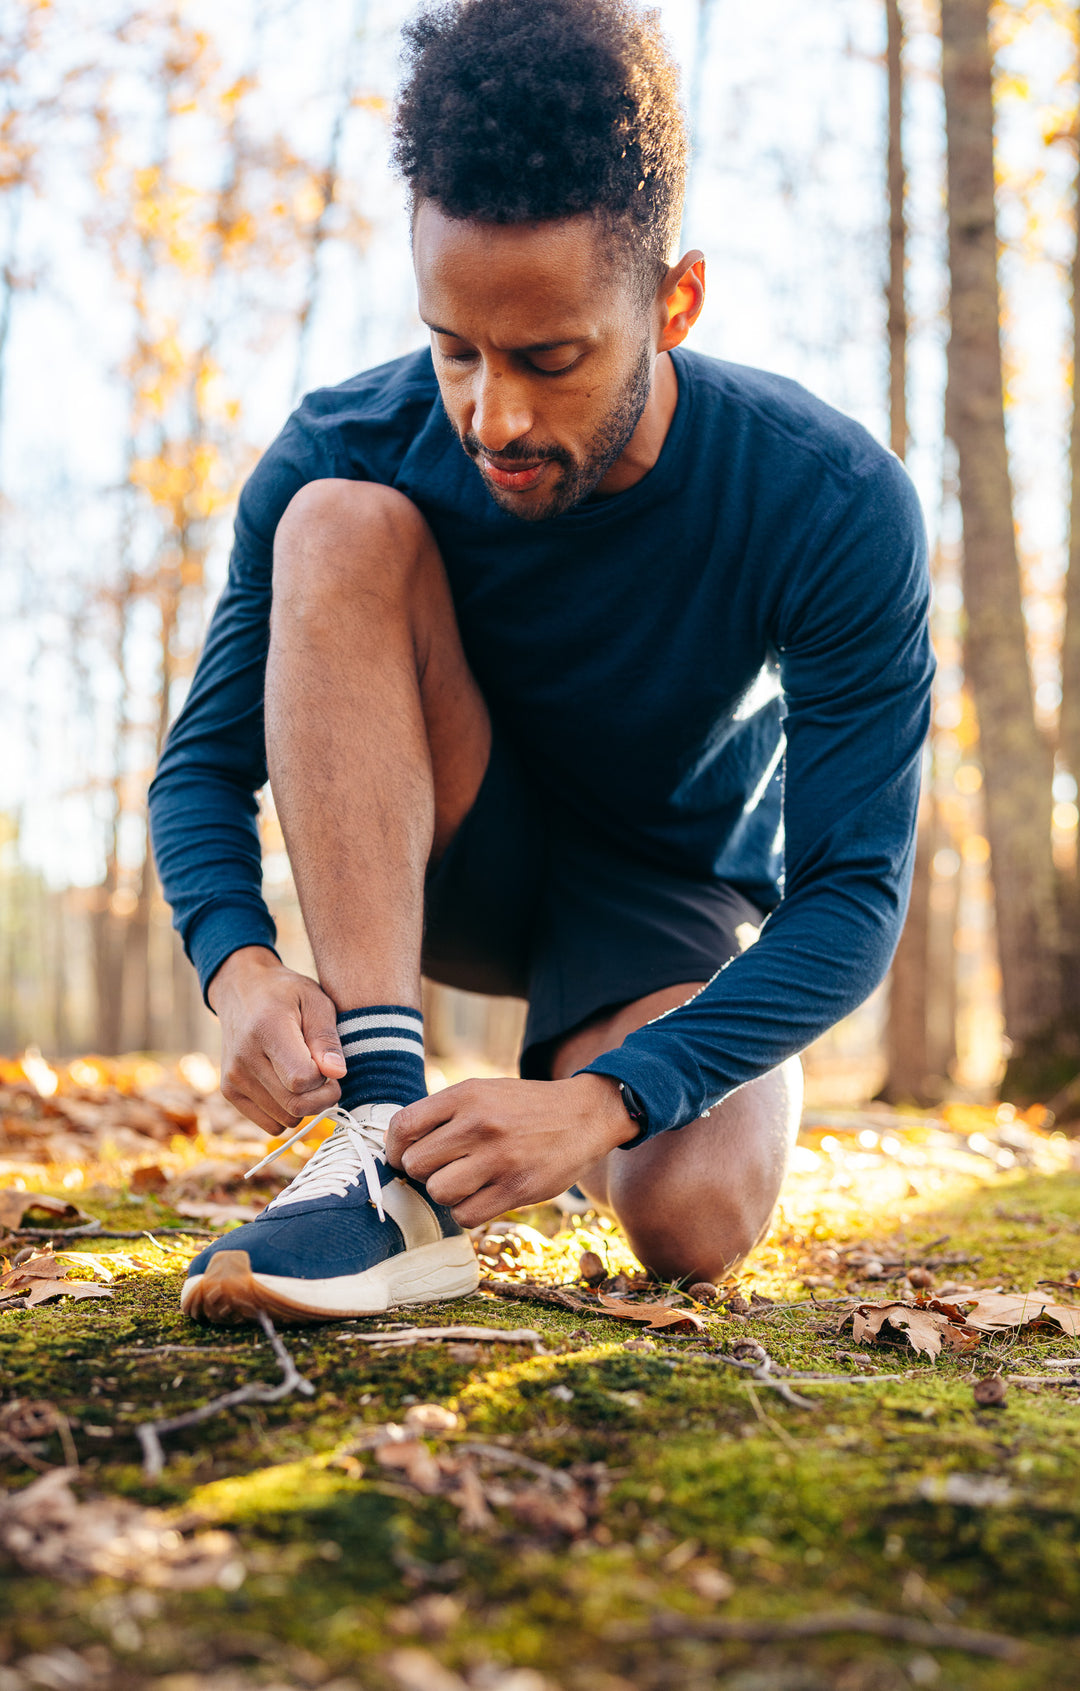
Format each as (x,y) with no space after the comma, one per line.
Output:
(348,1236)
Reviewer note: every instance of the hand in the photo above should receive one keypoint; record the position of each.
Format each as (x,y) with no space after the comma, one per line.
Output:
(281,1057)
(485,1146)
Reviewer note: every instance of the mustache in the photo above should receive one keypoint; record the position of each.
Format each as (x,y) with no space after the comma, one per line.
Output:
(519,452)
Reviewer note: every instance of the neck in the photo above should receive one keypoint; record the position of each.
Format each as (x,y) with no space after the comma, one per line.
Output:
(645,444)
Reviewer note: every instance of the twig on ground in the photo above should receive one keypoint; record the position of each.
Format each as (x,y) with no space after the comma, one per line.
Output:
(762,1374)
(514,1459)
(57,1234)
(292,1380)
(872,1621)
(806,1303)
(16,1447)
(527,1292)
(400,1339)
(182,1350)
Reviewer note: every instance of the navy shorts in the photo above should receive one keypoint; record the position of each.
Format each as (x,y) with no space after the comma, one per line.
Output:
(528,902)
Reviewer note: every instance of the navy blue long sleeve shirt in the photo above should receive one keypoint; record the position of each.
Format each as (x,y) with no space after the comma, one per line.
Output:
(726,668)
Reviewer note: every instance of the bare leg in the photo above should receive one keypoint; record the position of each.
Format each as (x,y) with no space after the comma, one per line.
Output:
(377,734)
(694,1202)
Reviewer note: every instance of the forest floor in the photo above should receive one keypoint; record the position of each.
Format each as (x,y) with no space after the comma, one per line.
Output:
(754,1492)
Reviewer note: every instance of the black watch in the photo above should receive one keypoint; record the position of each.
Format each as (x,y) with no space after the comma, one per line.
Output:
(632,1105)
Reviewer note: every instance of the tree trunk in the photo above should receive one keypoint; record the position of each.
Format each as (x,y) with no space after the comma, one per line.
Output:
(906,1034)
(896,292)
(1069,737)
(1016,760)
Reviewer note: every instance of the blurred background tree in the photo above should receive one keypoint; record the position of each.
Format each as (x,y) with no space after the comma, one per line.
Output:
(197,223)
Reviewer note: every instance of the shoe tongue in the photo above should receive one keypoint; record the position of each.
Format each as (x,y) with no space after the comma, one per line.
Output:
(375,1117)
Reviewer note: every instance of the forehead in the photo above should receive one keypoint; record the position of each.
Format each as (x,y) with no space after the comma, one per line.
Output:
(518,283)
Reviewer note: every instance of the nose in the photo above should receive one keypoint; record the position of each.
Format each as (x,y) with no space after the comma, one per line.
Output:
(501,410)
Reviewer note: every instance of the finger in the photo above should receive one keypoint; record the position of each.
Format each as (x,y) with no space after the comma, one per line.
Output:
(294,1068)
(283,1115)
(416,1120)
(318,1024)
(484,1205)
(257,1114)
(291,1104)
(443,1145)
(458,1180)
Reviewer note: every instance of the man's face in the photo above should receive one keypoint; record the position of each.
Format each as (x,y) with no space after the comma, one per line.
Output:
(542,348)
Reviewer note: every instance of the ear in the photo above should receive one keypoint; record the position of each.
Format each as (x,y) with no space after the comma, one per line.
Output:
(681,297)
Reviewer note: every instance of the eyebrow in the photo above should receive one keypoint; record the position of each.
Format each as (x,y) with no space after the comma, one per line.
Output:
(537,346)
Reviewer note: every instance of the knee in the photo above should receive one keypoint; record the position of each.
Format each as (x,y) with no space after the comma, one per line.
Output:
(338,537)
(702,1247)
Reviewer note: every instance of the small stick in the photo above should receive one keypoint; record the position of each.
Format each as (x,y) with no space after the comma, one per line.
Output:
(99,1232)
(847,1379)
(513,1459)
(872,1621)
(807,1303)
(417,1335)
(149,1433)
(761,1374)
(526,1293)
(183,1350)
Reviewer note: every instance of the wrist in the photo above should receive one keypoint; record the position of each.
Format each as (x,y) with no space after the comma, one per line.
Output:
(239,971)
(602,1103)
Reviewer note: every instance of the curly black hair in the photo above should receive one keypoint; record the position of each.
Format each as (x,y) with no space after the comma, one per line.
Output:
(518,111)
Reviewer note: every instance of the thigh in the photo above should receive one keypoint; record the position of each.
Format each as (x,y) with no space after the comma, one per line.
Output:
(360,588)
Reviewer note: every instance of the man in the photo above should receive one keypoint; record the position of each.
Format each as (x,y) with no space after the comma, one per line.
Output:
(565,714)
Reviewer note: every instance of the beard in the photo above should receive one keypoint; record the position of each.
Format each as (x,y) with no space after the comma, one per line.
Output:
(579,476)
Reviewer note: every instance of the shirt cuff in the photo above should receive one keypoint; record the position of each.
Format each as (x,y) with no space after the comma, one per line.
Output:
(224,929)
(656,1083)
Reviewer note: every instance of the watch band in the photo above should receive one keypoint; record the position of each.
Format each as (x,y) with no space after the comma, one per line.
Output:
(632,1104)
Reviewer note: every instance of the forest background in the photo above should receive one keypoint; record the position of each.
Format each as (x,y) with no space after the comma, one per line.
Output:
(198,224)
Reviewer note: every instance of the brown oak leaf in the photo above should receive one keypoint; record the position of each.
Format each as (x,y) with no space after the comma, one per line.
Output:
(926,1330)
(996,1311)
(652,1314)
(44,1277)
(15,1206)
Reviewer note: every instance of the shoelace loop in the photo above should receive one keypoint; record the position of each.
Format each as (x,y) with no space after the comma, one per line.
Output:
(333,1168)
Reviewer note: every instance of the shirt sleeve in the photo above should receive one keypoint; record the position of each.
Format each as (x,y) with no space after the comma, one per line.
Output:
(852,636)
(203,805)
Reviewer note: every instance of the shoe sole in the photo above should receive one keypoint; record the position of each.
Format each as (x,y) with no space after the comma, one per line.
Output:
(229,1291)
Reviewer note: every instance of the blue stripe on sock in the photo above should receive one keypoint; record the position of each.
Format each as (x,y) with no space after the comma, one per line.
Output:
(384,1055)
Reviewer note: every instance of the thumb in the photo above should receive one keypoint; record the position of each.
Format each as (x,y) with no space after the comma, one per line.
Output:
(318,1022)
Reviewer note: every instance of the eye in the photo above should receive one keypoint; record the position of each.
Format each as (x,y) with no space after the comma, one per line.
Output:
(457,354)
(555,370)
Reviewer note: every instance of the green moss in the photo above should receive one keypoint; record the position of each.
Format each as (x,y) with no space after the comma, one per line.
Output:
(804,1508)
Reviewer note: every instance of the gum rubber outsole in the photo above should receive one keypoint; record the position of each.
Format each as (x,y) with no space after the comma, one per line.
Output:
(229,1291)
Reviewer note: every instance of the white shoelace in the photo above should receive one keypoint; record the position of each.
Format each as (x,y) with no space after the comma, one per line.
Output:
(353,1152)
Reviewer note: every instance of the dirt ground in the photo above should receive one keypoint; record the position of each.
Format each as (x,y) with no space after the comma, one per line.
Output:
(765,1490)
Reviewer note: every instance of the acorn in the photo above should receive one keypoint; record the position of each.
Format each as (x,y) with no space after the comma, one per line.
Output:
(920,1278)
(703,1291)
(989,1391)
(591,1268)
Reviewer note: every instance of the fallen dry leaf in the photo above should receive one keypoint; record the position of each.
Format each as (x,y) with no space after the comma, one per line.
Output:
(995,1312)
(652,1314)
(47,1530)
(16,1206)
(925,1329)
(43,1276)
